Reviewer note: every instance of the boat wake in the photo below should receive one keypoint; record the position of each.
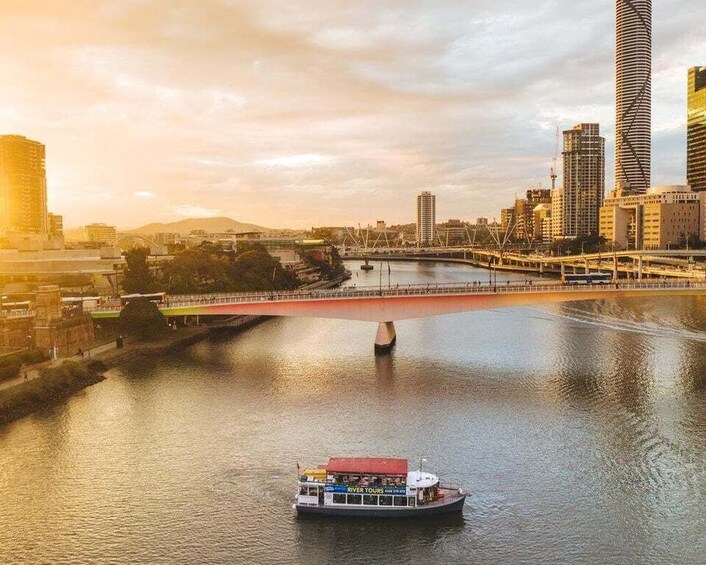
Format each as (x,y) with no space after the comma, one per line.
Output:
(643,327)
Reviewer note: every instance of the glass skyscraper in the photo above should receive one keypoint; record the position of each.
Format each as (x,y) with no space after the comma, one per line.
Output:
(696,129)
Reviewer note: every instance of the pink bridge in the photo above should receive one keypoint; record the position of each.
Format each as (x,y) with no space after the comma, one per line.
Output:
(386,305)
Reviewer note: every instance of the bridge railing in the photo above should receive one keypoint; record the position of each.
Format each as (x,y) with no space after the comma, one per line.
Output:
(353,292)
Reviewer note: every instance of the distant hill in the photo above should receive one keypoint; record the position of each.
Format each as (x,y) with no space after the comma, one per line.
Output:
(211,225)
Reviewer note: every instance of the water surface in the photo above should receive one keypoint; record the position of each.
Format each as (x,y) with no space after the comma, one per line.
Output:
(579,429)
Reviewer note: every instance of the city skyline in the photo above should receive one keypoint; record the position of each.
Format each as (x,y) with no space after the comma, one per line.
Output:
(152,118)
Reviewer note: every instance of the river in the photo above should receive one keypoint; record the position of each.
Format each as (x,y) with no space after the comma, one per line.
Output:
(579,430)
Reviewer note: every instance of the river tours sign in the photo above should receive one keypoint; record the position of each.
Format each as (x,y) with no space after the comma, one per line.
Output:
(400,491)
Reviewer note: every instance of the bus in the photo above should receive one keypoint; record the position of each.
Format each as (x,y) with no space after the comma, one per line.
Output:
(587,278)
(15,306)
(156,297)
(81,302)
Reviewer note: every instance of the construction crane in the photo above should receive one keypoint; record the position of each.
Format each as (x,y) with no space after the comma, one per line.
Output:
(555,160)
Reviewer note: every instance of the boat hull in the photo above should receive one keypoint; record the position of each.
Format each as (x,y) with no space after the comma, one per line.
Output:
(450,507)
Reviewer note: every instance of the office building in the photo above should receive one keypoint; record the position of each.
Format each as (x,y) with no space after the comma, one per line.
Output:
(23,186)
(696,130)
(426,218)
(633,97)
(55,225)
(101,234)
(524,213)
(584,182)
(663,217)
(507,219)
(557,215)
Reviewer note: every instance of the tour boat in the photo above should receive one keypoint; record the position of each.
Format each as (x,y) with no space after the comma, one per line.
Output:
(374,487)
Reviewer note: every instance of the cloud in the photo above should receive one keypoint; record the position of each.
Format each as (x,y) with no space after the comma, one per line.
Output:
(305,160)
(297,114)
(192,211)
(146,194)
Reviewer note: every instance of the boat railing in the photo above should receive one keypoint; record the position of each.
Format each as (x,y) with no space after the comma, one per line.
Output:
(450,486)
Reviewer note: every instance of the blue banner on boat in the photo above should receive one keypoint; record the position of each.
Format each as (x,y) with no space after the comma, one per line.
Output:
(366,490)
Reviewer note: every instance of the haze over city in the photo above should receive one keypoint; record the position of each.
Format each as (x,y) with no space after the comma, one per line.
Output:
(296,114)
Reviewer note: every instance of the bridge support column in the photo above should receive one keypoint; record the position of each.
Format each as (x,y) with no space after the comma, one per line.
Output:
(385,338)
(586,267)
(563,269)
(639,267)
(615,267)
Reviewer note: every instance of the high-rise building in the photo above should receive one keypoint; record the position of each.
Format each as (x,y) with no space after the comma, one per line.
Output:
(696,130)
(426,218)
(507,219)
(524,212)
(557,216)
(584,181)
(100,234)
(633,96)
(23,186)
(55,225)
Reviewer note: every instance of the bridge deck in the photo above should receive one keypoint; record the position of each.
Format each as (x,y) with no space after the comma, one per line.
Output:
(403,301)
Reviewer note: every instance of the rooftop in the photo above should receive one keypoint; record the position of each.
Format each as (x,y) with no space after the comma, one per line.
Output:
(367,465)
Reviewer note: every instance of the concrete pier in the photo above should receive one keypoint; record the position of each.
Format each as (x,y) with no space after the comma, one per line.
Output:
(385,338)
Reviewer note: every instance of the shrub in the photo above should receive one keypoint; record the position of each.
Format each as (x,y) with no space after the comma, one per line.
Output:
(32,356)
(10,370)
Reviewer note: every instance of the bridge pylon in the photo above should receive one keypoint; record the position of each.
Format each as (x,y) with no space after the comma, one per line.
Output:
(385,338)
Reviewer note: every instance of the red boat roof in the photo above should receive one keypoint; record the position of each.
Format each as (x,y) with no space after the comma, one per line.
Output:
(367,465)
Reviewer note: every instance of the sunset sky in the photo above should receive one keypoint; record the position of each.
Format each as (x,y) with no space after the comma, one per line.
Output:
(293,113)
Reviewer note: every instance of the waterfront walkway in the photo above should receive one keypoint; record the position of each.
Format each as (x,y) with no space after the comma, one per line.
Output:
(32,371)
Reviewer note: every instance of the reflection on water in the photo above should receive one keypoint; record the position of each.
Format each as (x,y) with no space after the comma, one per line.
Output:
(579,429)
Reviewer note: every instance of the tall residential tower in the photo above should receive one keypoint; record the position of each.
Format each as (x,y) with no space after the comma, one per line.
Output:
(23,186)
(633,96)
(696,130)
(584,182)
(426,218)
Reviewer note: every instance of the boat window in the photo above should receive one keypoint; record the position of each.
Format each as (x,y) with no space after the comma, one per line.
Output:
(339,498)
(385,501)
(400,501)
(302,490)
(354,499)
(370,499)
(313,491)
(412,500)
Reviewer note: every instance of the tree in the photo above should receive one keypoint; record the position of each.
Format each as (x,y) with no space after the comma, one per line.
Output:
(196,271)
(142,318)
(258,270)
(137,278)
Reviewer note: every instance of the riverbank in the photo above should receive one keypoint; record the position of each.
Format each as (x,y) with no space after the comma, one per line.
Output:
(55,385)
(50,383)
